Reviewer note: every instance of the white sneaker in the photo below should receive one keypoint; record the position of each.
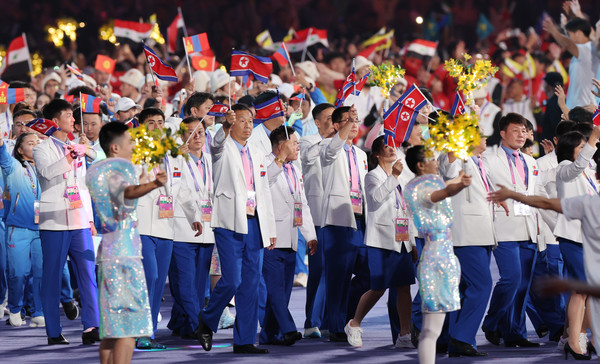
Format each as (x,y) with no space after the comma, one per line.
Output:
(354,335)
(301,280)
(583,340)
(37,321)
(312,333)
(561,343)
(227,320)
(159,319)
(403,342)
(14,319)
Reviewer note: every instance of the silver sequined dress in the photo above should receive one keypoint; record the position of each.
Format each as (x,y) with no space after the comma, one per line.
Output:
(439,271)
(123,295)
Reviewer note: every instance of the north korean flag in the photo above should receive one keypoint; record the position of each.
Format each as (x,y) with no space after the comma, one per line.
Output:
(346,89)
(596,117)
(268,110)
(399,119)
(218,110)
(458,107)
(160,69)
(43,126)
(243,64)
(413,98)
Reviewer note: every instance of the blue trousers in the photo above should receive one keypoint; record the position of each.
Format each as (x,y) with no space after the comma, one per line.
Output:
(506,313)
(315,288)
(188,275)
(157,258)
(78,245)
(24,259)
(240,269)
(278,272)
(549,311)
(3,270)
(300,254)
(475,289)
(345,255)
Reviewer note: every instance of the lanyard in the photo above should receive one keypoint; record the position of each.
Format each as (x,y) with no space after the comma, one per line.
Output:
(7,123)
(168,165)
(512,173)
(206,175)
(591,182)
(290,182)
(30,174)
(401,199)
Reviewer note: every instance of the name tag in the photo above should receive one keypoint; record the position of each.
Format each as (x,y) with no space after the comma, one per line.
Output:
(401,230)
(297,214)
(165,207)
(251,203)
(522,209)
(36,212)
(356,200)
(206,209)
(72,194)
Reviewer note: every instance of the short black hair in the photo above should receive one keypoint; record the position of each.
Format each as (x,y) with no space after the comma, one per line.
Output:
(196,100)
(415,155)
(528,143)
(109,133)
(566,145)
(427,94)
(585,129)
(247,100)
(564,127)
(192,119)
(150,102)
(330,56)
(511,118)
(264,97)
(580,115)
(55,107)
(241,107)
(151,111)
(82,89)
(279,135)
(20,84)
(336,117)
(24,112)
(317,110)
(528,125)
(576,24)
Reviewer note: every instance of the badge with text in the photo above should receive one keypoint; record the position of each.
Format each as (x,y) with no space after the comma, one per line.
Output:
(72,194)
(165,207)
(206,210)
(356,199)
(297,214)
(522,209)
(401,229)
(36,212)
(251,203)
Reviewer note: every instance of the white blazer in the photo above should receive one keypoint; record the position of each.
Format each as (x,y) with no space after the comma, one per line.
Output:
(147,209)
(381,195)
(473,223)
(337,207)
(312,174)
(182,229)
(570,182)
(261,140)
(512,228)
(283,207)
(52,168)
(231,195)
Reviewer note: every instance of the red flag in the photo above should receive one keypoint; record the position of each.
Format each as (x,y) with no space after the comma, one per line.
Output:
(399,121)
(596,117)
(160,69)
(458,107)
(104,63)
(173,32)
(413,98)
(204,63)
(243,64)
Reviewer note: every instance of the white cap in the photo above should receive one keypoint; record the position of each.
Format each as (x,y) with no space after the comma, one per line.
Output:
(133,77)
(201,81)
(286,89)
(275,79)
(89,80)
(309,68)
(218,79)
(362,62)
(50,76)
(124,104)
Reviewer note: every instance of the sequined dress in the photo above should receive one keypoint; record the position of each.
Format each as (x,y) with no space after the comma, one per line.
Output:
(123,295)
(438,271)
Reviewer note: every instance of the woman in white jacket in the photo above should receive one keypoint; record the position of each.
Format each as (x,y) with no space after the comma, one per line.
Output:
(390,254)
(572,179)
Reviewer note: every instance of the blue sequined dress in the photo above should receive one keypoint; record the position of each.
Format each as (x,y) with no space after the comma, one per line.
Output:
(123,295)
(438,271)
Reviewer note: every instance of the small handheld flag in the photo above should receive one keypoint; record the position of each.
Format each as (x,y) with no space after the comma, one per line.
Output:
(243,64)
(43,126)
(413,98)
(399,121)
(346,89)
(218,110)
(76,71)
(196,43)
(104,63)
(268,110)
(281,55)
(458,107)
(160,69)
(11,95)
(90,104)
(596,117)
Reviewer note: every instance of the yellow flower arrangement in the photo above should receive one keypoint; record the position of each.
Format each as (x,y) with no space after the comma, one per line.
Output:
(151,147)
(385,76)
(470,74)
(459,136)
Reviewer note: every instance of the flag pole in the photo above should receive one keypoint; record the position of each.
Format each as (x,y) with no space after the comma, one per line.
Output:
(306,45)
(354,74)
(187,57)
(185,33)
(229,89)
(290,58)
(80,111)
(193,131)
(28,58)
